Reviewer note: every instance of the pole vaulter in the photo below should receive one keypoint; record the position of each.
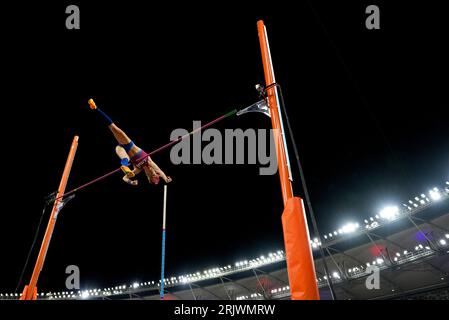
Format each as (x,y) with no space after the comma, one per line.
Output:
(165,146)
(30,290)
(300,265)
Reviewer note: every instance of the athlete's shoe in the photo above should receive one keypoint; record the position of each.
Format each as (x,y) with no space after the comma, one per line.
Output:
(92,104)
(127,171)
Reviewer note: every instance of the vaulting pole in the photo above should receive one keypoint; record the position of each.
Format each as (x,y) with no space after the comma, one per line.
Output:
(30,291)
(164,215)
(300,265)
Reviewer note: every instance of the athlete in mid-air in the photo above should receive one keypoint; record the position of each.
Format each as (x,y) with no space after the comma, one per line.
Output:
(128,152)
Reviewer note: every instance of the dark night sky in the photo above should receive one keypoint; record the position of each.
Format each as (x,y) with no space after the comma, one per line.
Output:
(368,108)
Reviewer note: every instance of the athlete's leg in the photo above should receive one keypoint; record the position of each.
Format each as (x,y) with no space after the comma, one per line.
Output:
(119,135)
(126,145)
(121,153)
(124,160)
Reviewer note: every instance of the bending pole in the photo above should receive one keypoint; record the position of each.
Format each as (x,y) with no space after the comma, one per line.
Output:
(300,265)
(164,214)
(30,291)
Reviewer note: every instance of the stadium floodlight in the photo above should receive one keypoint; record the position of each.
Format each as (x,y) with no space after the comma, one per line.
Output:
(335,233)
(416,198)
(135,285)
(325,236)
(395,259)
(398,254)
(350,227)
(85,295)
(447,235)
(330,235)
(389,212)
(335,275)
(405,251)
(420,246)
(435,194)
(443,242)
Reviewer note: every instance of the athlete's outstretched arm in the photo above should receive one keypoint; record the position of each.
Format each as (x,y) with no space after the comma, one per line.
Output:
(129,181)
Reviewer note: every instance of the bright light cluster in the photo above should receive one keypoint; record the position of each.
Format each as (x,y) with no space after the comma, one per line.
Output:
(388,214)
(353,272)
(252,296)
(280,290)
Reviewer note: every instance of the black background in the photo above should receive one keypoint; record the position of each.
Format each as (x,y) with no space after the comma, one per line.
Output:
(368,109)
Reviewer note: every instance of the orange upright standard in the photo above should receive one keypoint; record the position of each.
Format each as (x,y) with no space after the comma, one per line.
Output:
(300,265)
(30,290)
